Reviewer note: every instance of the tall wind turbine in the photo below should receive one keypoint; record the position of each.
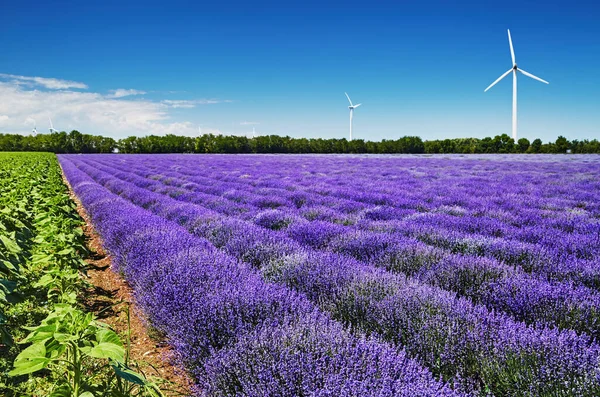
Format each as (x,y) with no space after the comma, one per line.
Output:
(514,71)
(51,126)
(351,107)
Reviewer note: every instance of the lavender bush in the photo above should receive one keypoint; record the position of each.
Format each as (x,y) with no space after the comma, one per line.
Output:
(210,307)
(485,272)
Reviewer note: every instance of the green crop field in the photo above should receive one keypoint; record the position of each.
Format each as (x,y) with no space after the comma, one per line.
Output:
(49,346)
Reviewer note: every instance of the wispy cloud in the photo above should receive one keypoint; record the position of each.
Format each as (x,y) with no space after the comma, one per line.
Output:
(88,112)
(188,104)
(249,123)
(122,92)
(25,100)
(50,83)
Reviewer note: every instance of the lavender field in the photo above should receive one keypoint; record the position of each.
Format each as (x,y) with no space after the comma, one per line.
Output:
(360,275)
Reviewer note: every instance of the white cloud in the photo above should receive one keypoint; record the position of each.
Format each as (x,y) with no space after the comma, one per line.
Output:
(178,104)
(122,92)
(249,123)
(50,83)
(188,104)
(88,112)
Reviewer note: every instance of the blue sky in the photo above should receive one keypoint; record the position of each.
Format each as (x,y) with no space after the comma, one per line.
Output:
(134,68)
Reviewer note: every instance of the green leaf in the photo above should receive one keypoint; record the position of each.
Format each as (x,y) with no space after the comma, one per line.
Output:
(30,360)
(8,285)
(108,336)
(4,264)
(107,350)
(44,281)
(10,245)
(41,258)
(109,346)
(63,390)
(40,333)
(86,394)
(7,291)
(62,337)
(126,373)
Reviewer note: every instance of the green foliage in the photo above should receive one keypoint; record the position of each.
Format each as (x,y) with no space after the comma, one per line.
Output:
(536,146)
(562,144)
(523,145)
(264,144)
(76,142)
(68,342)
(57,142)
(42,248)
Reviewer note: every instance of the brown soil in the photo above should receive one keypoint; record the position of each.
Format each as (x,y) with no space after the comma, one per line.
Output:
(109,298)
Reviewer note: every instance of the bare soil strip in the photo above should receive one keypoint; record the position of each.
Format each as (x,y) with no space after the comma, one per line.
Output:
(109,298)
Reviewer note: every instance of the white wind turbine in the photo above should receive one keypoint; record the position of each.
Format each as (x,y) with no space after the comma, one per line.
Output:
(514,70)
(34,131)
(351,107)
(51,126)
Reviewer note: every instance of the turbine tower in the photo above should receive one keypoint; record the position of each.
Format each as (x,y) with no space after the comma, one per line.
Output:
(351,107)
(51,126)
(514,71)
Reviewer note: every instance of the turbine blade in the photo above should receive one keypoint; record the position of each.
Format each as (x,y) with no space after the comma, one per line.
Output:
(499,78)
(532,76)
(355,106)
(512,50)
(348,99)
(51,126)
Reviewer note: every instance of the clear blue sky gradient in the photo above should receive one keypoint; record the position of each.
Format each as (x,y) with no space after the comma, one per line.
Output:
(418,68)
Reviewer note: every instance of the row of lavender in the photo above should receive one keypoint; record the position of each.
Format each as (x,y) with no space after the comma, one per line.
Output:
(234,332)
(479,216)
(490,282)
(584,243)
(467,344)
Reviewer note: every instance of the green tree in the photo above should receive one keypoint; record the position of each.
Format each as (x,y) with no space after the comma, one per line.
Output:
(523,145)
(562,144)
(536,146)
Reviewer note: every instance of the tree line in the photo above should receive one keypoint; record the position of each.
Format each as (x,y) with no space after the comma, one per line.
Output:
(76,142)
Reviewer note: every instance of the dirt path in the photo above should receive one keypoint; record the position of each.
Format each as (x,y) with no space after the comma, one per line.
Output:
(109,299)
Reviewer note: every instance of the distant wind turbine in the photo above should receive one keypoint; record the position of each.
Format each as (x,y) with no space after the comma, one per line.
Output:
(514,70)
(253,132)
(51,126)
(34,131)
(351,107)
